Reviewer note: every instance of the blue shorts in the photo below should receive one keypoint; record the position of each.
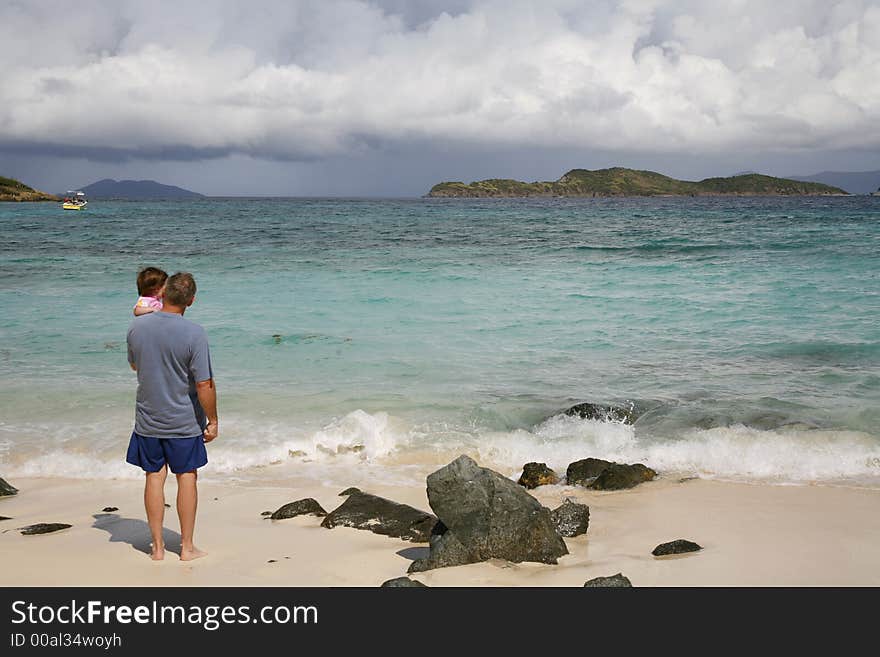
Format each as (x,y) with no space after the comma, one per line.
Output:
(181,454)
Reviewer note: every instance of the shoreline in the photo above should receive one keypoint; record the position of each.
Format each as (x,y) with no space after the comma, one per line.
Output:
(752,535)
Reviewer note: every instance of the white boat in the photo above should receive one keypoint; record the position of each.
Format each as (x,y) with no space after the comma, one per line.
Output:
(75,201)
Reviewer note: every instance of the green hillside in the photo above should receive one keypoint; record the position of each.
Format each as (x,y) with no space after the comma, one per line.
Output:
(13,190)
(619,181)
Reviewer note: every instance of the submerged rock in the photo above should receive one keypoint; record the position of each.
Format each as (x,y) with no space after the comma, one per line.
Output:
(381,516)
(484,515)
(537,474)
(580,473)
(678,546)
(571,519)
(602,412)
(299,508)
(43,528)
(6,488)
(614,581)
(401,582)
(618,476)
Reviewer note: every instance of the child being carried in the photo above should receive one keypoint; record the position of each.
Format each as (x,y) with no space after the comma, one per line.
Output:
(151,288)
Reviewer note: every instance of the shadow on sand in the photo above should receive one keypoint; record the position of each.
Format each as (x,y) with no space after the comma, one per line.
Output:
(134,532)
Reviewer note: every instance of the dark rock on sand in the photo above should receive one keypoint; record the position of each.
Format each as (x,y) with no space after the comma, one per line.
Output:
(580,473)
(618,476)
(484,515)
(299,508)
(110,509)
(571,519)
(678,546)
(603,412)
(381,516)
(43,528)
(350,491)
(167,506)
(401,582)
(537,474)
(5,518)
(615,581)
(6,488)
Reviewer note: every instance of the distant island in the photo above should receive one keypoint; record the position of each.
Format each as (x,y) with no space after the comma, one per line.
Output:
(13,190)
(131,190)
(619,181)
(855,182)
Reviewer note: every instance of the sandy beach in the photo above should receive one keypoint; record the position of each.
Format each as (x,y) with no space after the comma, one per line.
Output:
(752,535)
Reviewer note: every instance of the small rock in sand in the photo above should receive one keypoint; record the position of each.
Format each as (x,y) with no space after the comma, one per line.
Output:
(381,516)
(43,528)
(584,471)
(618,476)
(571,519)
(537,474)
(110,509)
(299,508)
(6,488)
(401,582)
(614,581)
(678,546)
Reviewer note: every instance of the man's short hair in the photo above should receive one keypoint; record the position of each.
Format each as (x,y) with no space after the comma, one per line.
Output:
(150,280)
(180,289)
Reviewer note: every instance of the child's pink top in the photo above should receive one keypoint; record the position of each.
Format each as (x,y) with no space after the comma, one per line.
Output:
(149,302)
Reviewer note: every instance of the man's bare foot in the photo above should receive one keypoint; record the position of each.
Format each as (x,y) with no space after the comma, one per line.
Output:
(157,553)
(194,553)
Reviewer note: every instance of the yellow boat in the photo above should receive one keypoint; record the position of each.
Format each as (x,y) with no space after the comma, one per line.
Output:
(75,201)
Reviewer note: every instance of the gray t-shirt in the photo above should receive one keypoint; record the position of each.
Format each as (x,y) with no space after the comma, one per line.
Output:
(171,355)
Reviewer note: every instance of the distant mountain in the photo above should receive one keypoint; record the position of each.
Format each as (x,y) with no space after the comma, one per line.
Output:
(619,181)
(13,190)
(136,190)
(855,182)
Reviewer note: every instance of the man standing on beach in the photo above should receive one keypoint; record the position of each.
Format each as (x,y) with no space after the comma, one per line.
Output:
(176,410)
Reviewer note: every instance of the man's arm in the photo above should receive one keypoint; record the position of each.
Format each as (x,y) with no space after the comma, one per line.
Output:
(207,395)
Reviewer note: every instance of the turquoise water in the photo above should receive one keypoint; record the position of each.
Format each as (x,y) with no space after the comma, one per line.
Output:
(393,333)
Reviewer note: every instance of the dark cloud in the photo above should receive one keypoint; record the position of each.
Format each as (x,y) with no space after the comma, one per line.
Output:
(325,80)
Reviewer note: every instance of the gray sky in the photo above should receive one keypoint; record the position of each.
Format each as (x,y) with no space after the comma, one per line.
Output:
(355,97)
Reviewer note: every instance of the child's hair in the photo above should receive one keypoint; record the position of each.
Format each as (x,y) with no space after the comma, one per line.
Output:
(150,280)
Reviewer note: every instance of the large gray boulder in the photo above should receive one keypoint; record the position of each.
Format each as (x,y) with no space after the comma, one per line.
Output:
(7,489)
(381,516)
(484,515)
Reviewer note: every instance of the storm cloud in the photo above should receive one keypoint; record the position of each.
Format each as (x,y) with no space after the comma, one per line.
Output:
(317,79)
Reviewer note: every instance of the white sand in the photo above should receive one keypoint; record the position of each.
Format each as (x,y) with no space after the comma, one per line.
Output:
(751,534)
